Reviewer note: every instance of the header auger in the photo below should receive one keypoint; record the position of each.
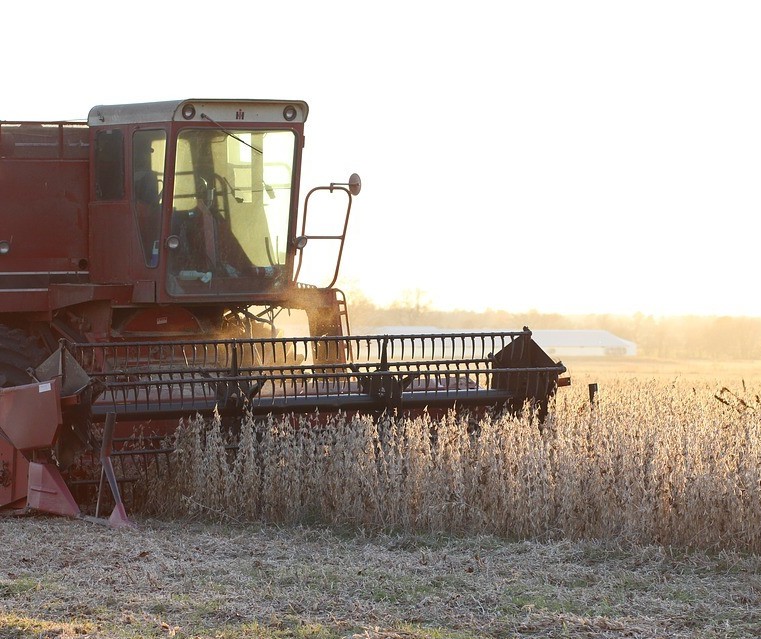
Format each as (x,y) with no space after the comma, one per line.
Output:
(147,258)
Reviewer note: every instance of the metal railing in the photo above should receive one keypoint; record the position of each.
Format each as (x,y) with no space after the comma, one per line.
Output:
(150,379)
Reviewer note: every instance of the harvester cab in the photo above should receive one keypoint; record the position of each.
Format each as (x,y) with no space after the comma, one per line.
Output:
(195,204)
(146,259)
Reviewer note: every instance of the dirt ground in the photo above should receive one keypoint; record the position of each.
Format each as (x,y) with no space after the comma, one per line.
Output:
(72,579)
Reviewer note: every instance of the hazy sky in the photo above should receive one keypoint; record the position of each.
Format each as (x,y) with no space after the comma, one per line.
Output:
(573,157)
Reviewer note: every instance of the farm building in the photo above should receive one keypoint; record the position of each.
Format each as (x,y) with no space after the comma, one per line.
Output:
(556,343)
(583,343)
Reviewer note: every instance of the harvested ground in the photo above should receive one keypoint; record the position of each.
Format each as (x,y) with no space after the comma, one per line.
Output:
(70,579)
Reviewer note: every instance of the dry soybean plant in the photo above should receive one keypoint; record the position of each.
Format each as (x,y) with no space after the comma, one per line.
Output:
(650,462)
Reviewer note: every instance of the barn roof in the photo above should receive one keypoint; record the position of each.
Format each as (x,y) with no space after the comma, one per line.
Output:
(545,338)
(579,338)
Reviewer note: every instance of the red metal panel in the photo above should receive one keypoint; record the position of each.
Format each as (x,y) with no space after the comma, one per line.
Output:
(163,320)
(113,242)
(48,492)
(13,476)
(62,295)
(31,414)
(144,292)
(57,296)
(43,214)
(23,300)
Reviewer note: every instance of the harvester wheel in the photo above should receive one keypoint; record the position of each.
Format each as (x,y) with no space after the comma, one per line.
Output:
(18,352)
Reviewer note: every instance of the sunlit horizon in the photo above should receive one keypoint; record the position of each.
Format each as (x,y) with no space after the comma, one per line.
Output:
(407,299)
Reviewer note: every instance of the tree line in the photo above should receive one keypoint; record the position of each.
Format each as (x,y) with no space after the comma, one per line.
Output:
(701,337)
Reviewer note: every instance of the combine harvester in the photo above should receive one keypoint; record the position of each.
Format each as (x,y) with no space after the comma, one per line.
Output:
(147,258)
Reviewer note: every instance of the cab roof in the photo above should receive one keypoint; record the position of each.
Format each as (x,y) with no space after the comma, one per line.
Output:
(190,110)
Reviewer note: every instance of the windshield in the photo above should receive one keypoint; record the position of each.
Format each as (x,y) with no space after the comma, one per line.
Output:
(231,205)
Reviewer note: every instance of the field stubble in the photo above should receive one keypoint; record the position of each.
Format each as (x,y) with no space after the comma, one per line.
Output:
(69,580)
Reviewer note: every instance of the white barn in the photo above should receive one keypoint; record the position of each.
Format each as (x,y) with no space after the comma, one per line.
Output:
(556,343)
(583,343)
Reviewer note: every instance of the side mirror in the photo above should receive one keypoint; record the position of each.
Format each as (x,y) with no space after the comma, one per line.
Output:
(354,184)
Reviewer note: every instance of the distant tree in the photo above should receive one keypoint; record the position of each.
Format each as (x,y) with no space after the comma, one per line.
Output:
(413,306)
(665,337)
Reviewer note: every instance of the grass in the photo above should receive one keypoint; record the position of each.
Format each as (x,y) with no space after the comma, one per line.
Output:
(194,579)
(13,626)
(18,585)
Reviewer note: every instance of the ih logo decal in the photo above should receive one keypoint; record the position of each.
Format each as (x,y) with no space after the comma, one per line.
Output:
(239,115)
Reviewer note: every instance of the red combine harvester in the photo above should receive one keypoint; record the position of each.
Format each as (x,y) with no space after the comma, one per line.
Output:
(147,260)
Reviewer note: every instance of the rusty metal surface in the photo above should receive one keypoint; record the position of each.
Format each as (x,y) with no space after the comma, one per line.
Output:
(31,414)
(13,475)
(48,491)
(44,184)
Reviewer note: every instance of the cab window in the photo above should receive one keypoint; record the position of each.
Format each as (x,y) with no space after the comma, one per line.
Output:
(109,165)
(148,155)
